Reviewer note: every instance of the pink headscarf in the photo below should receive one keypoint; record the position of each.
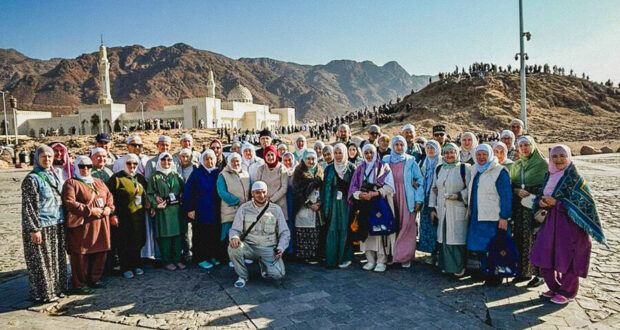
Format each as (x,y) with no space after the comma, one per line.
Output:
(65,156)
(554,173)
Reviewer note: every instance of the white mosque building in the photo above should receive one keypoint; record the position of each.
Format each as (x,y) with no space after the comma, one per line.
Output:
(237,111)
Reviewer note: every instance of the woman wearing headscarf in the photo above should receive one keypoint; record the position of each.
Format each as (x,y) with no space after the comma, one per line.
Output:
(501,153)
(372,179)
(508,138)
(128,188)
(335,208)
(233,188)
(328,156)
(527,175)
(428,227)
(220,160)
(165,192)
(62,161)
(448,204)
(408,199)
(250,162)
(282,149)
(353,153)
(469,142)
(300,147)
(88,204)
(274,174)
(43,231)
(202,204)
(289,162)
(318,148)
(489,208)
(307,184)
(562,246)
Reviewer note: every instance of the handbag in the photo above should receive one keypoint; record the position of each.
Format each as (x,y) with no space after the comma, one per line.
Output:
(381,218)
(503,258)
(541,215)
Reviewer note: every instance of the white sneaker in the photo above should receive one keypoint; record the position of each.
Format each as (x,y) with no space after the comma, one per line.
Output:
(248,261)
(368,266)
(380,268)
(406,264)
(240,283)
(139,271)
(231,264)
(345,264)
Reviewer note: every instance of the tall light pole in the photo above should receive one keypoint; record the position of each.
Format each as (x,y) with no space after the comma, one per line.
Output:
(522,55)
(6,124)
(142,109)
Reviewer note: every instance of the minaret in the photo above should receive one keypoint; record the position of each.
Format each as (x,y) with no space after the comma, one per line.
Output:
(104,76)
(211,85)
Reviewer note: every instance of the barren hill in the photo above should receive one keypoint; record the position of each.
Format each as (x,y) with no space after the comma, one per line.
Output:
(165,75)
(560,108)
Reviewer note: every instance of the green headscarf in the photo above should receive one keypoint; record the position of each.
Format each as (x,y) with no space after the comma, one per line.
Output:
(457,160)
(535,167)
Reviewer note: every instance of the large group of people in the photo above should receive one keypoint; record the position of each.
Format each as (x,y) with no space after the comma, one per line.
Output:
(386,197)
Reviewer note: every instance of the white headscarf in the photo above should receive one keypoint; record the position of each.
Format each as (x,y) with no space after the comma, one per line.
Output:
(299,152)
(490,159)
(134,158)
(369,164)
(231,156)
(341,166)
(289,170)
(202,160)
(98,150)
(511,135)
(159,168)
(83,160)
(467,154)
(245,161)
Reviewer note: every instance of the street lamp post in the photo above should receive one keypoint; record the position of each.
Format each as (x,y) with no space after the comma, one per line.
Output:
(6,125)
(142,109)
(522,55)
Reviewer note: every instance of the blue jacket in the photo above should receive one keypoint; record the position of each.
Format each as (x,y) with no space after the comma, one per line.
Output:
(411,172)
(50,207)
(200,195)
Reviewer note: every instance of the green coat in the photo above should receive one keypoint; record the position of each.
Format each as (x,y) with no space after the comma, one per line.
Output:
(132,229)
(169,222)
(335,211)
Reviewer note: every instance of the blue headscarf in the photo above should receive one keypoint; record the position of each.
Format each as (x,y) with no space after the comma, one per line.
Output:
(431,163)
(396,157)
(487,148)
(311,153)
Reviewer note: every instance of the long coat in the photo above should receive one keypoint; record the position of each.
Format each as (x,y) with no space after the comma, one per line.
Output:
(451,214)
(167,220)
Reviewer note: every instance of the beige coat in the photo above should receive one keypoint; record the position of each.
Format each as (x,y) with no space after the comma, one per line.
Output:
(452,214)
(237,184)
(277,182)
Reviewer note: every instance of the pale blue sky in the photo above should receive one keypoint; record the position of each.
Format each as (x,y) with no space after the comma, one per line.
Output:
(423,36)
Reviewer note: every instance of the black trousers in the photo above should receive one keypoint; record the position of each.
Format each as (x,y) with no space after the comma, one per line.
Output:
(206,244)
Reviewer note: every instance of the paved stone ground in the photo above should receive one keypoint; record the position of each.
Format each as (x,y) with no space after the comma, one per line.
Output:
(315,297)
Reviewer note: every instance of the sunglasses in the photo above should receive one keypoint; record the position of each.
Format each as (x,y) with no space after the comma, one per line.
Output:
(83,166)
(166,160)
(132,163)
(136,145)
(438,134)
(374,133)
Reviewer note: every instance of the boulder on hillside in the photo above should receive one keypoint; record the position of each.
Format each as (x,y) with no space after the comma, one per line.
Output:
(589,150)
(607,150)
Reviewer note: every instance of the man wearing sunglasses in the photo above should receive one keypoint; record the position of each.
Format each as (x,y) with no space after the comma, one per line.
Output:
(134,146)
(439,134)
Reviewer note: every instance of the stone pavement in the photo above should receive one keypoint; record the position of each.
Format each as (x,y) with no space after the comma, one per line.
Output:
(315,297)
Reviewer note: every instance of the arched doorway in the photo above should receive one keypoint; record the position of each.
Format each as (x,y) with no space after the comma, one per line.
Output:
(83,127)
(94,124)
(106,126)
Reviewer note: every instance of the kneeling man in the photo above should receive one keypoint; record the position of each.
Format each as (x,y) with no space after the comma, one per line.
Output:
(259,232)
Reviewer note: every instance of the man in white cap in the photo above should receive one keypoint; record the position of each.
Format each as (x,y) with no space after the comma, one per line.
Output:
(187,142)
(259,232)
(99,156)
(413,149)
(163,145)
(134,146)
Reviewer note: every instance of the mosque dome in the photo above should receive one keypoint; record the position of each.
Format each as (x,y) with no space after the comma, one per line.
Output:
(240,94)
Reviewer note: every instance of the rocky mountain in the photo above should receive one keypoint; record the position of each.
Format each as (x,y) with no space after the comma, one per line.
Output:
(560,108)
(165,75)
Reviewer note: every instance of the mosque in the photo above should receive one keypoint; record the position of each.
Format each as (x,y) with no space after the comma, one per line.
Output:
(237,111)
